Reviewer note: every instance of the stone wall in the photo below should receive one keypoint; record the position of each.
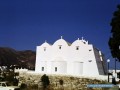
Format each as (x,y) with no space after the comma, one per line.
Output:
(33,82)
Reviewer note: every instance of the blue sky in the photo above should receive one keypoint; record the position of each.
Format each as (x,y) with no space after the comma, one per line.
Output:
(25,24)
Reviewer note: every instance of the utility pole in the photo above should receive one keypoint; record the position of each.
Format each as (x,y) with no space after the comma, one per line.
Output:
(108,68)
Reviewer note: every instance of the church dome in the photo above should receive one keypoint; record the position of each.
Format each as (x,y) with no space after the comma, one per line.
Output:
(62,42)
(45,44)
(79,42)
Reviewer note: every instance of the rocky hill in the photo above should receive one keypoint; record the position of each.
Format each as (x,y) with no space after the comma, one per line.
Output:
(9,56)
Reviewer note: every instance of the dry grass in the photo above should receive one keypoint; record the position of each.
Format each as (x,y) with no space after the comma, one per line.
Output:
(69,82)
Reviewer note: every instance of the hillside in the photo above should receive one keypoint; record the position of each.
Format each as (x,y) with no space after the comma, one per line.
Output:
(33,82)
(9,56)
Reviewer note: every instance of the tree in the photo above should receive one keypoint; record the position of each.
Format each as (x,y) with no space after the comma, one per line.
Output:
(45,81)
(114,41)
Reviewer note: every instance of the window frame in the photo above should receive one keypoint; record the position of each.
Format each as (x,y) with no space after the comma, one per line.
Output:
(42,68)
(77,47)
(60,46)
(55,69)
(44,48)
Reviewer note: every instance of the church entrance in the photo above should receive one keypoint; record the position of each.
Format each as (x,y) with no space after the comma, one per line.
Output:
(78,68)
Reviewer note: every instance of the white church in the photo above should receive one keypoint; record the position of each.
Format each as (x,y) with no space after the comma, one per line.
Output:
(77,58)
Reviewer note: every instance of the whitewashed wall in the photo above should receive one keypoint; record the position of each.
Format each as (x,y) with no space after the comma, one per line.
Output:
(67,59)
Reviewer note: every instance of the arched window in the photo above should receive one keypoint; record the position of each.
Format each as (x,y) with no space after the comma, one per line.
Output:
(55,69)
(60,46)
(77,47)
(44,48)
(42,68)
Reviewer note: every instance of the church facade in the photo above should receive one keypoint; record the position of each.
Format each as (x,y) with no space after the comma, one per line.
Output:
(78,58)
